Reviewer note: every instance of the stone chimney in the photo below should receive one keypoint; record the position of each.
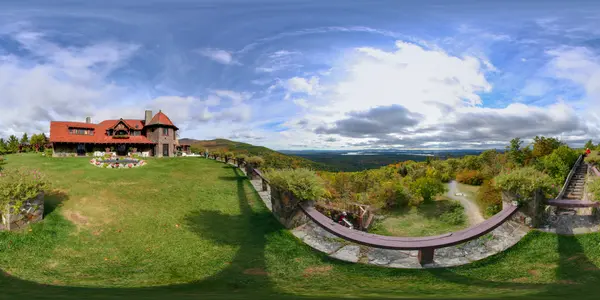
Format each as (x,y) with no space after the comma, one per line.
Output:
(88,120)
(148,117)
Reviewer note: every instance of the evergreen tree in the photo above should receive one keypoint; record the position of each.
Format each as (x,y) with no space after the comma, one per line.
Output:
(25,139)
(13,144)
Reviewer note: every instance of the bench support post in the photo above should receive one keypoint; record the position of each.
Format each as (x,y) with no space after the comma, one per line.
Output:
(426,256)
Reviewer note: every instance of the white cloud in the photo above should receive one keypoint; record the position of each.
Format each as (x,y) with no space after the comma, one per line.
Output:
(71,83)
(218,55)
(236,97)
(302,85)
(444,89)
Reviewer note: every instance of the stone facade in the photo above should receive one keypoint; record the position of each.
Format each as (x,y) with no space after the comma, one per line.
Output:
(286,208)
(30,212)
(157,135)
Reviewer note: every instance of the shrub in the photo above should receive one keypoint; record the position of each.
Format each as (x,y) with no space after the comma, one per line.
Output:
(525,181)
(594,188)
(255,161)
(489,198)
(558,164)
(19,185)
(228,156)
(2,162)
(48,152)
(427,188)
(471,177)
(390,194)
(302,183)
(454,214)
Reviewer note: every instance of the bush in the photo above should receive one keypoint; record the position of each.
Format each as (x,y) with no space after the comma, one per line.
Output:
(17,186)
(427,188)
(390,194)
(48,152)
(241,158)
(525,181)
(228,156)
(302,183)
(471,177)
(2,162)
(559,163)
(489,198)
(255,161)
(594,188)
(454,214)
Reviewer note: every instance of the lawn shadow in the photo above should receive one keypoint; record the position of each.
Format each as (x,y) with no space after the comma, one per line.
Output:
(53,200)
(433,209)
(248,230)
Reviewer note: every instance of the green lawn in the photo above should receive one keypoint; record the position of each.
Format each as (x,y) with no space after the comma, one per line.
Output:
(190,228)
(418,221)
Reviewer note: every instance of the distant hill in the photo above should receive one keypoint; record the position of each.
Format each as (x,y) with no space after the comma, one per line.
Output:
(273,159)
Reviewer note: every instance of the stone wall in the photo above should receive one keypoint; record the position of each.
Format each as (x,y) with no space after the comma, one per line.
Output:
(286,208)
(532,213)
(30,212)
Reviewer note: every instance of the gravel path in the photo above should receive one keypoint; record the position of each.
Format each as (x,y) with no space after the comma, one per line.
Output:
(471,209)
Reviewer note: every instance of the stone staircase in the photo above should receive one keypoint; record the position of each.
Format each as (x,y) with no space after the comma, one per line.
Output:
(575,188)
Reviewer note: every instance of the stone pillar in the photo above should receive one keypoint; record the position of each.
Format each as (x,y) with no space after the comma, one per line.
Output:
(251,175)
(530,213)
(31,211)
(286,209)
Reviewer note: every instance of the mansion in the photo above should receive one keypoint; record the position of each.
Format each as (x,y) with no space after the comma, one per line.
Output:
(152,136)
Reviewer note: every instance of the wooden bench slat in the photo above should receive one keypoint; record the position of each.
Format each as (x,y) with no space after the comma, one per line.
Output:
(572,203)
(407,243)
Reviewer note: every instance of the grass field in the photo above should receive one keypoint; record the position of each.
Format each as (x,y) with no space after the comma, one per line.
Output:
(190,228)
(418,221)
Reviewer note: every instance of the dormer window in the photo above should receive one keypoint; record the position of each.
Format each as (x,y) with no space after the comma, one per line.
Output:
(81,131)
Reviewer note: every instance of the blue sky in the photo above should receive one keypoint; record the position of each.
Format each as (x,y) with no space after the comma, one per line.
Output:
(309,74)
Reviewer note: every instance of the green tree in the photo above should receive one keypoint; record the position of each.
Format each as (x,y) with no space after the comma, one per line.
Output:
(589,145)
(3,146)
(24,138)
(427,187)
(543,146)
(13,144)
(559,163)
(515,153)
(37,141)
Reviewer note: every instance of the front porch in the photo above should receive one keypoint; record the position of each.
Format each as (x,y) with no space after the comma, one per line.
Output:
(89,149)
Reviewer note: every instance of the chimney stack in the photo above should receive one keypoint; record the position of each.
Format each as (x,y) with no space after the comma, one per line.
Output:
(88,120)
(148,117)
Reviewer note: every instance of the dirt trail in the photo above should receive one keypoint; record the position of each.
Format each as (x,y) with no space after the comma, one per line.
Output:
(471,208)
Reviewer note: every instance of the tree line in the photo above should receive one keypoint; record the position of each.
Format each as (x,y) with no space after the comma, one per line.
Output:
(36,143)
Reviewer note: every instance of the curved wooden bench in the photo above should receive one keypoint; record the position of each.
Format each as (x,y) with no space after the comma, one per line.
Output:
(425,245)
(572,203)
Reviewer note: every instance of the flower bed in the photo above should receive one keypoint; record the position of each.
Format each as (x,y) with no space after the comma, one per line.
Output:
(117,165)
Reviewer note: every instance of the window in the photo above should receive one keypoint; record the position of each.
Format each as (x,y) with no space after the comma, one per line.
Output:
(81,131)
(165,149)
(136,132)
(165,131)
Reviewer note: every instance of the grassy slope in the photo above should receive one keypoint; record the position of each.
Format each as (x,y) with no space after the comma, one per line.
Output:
(228,246)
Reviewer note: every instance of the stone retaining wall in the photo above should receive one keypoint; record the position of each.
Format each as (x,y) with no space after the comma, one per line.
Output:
(30,212)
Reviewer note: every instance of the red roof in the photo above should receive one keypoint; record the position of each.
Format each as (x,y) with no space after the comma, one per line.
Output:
(161,119)
(59,132)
